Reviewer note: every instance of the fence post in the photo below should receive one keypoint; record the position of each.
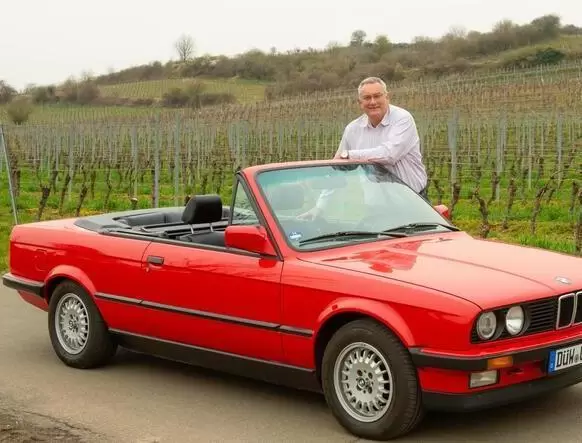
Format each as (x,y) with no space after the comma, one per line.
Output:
(453,148)
(157,149)
(4,150)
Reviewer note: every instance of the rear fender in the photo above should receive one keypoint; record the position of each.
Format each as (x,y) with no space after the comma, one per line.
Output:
(66,272)
(379,311)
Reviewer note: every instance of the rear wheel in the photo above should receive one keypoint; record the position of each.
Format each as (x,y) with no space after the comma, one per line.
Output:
(78,333)
(370,383)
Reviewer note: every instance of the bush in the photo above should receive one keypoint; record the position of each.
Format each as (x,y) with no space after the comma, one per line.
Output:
(83,92)
(532,57)
(19,110)
(193,96)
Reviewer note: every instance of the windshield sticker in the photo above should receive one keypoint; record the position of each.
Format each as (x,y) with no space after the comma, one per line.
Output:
(295,236)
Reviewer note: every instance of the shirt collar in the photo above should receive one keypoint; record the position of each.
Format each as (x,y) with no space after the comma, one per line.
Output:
(384,122)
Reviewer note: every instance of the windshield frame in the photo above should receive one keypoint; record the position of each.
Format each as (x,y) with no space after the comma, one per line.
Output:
(342,244)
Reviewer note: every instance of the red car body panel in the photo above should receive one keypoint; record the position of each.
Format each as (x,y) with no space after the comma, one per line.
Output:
(224,284)
(428,289)
(512,274)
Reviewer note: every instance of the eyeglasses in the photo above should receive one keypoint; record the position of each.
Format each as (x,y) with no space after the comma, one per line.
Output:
(367,97)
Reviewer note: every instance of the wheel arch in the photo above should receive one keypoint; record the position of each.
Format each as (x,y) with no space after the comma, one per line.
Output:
(99,346)
(344,312)
(67,273)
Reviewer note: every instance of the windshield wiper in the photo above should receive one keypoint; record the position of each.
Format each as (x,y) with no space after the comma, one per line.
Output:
(342,234)
(420,227)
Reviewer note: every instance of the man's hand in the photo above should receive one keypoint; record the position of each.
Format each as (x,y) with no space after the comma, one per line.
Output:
(309,215)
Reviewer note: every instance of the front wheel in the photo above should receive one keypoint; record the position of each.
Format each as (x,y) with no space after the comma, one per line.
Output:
(77,330)
(370,383)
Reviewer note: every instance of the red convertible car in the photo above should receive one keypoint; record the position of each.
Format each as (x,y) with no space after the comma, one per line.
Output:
(332,276)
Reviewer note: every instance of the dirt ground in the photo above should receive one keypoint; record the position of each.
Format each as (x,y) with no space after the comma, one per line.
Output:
(18,426)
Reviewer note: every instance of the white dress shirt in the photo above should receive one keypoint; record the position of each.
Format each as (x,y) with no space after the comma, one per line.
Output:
(394,142)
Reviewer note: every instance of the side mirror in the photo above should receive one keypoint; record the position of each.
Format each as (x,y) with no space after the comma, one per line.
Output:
(250,238)
(444,211)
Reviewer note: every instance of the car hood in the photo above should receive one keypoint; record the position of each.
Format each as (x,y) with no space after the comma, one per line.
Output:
(487,273)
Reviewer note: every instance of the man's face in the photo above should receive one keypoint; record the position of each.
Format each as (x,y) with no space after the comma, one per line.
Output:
(373,101)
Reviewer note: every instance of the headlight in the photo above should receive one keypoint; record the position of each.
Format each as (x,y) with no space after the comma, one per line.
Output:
(514,320)
(486,325)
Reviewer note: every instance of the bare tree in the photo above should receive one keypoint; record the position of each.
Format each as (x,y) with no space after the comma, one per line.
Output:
(185,47)
(7,92)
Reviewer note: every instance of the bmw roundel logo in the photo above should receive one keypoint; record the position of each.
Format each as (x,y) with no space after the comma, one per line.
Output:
(563,280)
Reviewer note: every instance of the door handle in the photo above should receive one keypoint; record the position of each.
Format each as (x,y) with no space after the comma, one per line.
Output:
(155,260)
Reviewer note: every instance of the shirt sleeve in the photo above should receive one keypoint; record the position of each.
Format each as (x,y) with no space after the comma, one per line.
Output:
(343,145)
(324,198)
(402,138)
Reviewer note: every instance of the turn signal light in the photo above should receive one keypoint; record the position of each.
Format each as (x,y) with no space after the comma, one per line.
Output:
(500,362)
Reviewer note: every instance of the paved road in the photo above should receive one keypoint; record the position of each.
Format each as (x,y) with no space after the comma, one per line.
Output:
(142,399)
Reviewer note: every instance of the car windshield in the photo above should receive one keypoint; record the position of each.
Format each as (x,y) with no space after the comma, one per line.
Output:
(356,202)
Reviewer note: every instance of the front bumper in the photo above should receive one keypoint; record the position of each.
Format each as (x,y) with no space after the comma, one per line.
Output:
(524,374)
(496,397)
(481,363)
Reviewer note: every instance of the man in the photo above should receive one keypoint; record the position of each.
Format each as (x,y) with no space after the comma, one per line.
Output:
(385,134)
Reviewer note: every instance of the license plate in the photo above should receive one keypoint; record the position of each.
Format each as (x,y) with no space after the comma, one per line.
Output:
(565,358)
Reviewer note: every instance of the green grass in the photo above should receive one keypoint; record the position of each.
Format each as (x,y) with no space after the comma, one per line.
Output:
(555,225)
(555,228)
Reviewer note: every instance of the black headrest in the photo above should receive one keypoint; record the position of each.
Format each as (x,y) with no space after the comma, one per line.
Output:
(203,209)
(287,196)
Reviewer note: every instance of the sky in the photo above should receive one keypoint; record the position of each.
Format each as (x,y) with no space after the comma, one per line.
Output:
(44,42)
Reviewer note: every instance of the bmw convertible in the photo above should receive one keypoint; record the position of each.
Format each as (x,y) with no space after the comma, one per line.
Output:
(332,276)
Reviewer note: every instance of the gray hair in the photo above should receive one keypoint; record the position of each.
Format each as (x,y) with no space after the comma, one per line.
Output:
(371,81)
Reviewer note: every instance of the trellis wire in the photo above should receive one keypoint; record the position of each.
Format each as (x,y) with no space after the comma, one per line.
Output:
(188,148)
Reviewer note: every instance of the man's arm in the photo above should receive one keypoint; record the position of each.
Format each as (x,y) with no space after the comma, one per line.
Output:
(327,193)
(402,138)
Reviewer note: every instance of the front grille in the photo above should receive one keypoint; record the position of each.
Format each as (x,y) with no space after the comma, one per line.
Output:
(542,316)
(569,310)
(545,315)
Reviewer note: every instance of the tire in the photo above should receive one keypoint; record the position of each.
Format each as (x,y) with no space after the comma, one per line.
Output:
(402,411)
(97,346)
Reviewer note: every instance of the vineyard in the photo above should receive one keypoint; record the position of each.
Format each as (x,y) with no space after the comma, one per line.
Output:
(504,152)
(244,91)
(548,89)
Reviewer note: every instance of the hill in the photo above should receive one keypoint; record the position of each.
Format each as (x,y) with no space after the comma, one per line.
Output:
(507,46)
(194,82)
(498,115)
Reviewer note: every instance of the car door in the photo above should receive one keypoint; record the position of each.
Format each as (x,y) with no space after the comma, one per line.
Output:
(215,298)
